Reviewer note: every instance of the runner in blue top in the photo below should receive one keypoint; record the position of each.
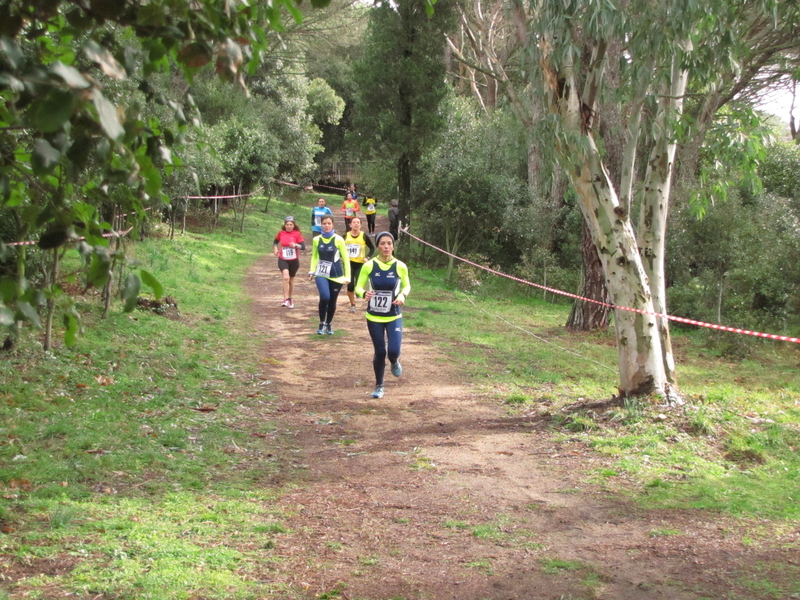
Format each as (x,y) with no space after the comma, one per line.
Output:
(317,212)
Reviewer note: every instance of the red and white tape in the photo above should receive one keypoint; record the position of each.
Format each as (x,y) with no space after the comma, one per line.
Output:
(105,235)
(770,336)
(309,187)
(223,197)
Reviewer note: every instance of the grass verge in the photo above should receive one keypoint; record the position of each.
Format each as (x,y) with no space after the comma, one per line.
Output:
(141,463)
(732,447)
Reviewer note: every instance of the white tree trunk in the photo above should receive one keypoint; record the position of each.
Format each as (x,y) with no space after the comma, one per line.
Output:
(638,341)
(655,207)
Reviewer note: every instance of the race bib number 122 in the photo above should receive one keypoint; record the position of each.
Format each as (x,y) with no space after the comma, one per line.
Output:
(381,302)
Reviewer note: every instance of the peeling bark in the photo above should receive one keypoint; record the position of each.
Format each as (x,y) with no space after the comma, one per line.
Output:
(655,207)
(639,341)
(588,316)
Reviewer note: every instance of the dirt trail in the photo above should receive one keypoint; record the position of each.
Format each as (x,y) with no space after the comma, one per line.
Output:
(435,492)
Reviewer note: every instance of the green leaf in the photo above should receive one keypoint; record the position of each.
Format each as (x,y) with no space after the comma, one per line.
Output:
(6,316)
(49,113)
(69,75)
(130,291)
(152,283)
(108,9)
(295,12)
(71,328)
(28,313)
(44,158)
(78,18)
(99,270)
(54,237)
(8,290)
(105,59)
(79,151)
(151,174)
(10,22)
(108,116)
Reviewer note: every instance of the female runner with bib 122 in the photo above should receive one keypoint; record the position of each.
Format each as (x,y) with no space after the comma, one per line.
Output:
(330,269)
(384,283)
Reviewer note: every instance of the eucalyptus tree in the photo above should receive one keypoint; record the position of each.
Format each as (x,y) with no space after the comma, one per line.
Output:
(721,101)
(73,133)
(644,62)
(488,60)
(401,81)
(661,44)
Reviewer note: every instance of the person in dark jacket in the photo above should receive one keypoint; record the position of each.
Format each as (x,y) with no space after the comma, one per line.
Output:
(394,222)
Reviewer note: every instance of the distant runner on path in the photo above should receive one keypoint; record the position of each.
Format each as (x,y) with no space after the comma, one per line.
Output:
(370,210)
(350,208)
(385,284)
(317,212)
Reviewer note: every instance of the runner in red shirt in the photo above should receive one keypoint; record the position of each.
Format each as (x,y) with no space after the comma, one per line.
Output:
(286,247)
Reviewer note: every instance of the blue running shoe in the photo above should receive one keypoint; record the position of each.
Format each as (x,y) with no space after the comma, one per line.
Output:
(329,329)
(378,393)
(397,369)
(321,329)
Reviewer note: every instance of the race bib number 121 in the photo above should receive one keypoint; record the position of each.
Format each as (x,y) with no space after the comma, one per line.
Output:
(324,268)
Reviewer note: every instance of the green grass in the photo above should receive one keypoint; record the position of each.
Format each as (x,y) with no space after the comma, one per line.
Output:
(455,524)
(482,564)
(732,448)
(109,464)
(107,460)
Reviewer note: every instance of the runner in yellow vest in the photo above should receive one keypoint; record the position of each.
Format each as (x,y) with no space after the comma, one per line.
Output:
(370,210)
(359,249)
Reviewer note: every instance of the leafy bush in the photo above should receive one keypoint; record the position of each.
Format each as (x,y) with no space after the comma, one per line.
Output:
(780,170)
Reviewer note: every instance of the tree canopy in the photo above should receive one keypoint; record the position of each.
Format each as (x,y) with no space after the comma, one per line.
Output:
(96,97)
(401,82)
